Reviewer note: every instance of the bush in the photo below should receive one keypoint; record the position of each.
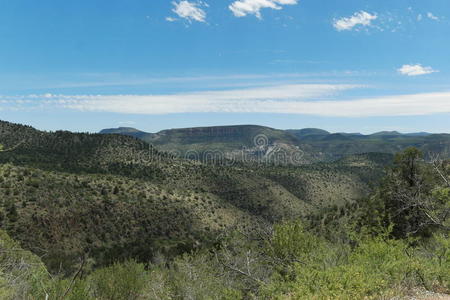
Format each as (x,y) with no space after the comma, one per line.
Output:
(375,268)
(21,272)
(435,261)
(193,277)
(69,289)
(291,242)
(124,281)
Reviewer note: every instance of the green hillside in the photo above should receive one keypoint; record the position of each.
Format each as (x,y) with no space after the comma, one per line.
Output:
(338,147)
(107,216)
(301,133)
(116,196)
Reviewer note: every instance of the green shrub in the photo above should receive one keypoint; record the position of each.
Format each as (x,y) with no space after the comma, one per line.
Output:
(435,263)
(21,273)
(68,289)
(198,277)
(291,242)
(124,281)
(375,268)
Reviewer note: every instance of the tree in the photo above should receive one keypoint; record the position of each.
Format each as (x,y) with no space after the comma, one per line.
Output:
(407,163)
(11,211)
(409,197)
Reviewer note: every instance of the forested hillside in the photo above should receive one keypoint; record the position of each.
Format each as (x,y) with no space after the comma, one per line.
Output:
(394,245)
(116,196)
(94,216)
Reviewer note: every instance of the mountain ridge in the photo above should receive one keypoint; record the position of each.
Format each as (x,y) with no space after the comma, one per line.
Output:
(315,144)
(302,132)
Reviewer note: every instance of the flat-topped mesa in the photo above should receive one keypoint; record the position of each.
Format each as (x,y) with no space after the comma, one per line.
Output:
(316,144)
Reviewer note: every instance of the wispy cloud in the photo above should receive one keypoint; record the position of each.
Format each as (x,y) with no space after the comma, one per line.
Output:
(415,70)
(432,17)
(359,19)
(292,99)
(242,8)
(170,19)
(98,82)
(233,100)
(190,11)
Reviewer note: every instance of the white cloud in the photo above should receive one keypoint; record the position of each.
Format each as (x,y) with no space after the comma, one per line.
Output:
(361,18)
(170,19)
(291,99)
(189,10)
(204,101)
(241,8)
(415,70)
(432,17)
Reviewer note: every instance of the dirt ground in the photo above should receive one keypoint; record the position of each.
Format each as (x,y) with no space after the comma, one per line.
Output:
(425,295)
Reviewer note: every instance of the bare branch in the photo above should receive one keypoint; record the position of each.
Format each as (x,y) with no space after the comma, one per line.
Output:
(74,278)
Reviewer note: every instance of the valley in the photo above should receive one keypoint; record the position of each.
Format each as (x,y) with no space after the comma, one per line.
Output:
(129,200)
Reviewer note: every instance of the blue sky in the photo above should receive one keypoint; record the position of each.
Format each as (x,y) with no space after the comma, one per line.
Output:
(352,65)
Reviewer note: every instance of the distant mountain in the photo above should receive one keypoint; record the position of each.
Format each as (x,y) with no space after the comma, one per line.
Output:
(121,130)
(418,134)
(242,142)
(301,133)
(128,131)
(336,137)
(386,133)
(315,144)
